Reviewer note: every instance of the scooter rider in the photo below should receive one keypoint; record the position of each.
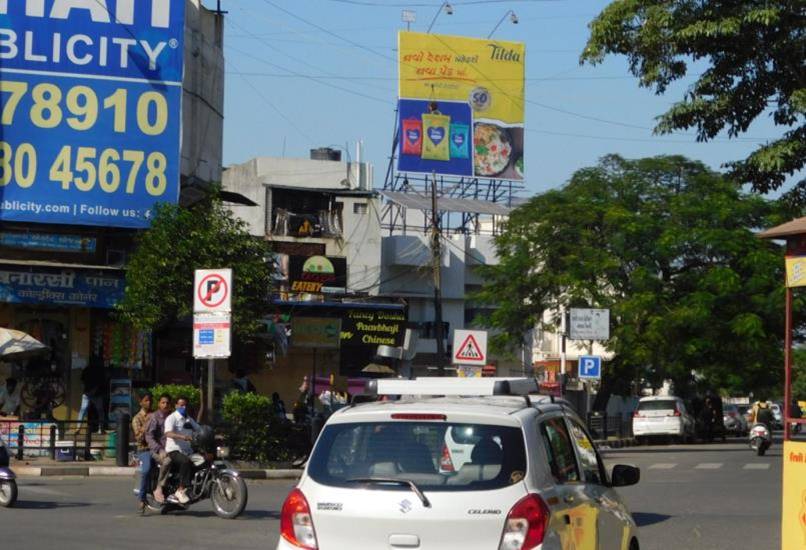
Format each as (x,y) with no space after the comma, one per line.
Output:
(179,428)
(155,437)
(762,414)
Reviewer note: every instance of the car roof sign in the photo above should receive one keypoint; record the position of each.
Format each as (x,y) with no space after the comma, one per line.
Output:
(453,386)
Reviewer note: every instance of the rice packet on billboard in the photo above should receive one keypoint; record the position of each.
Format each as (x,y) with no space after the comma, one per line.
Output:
(436,141)
(460,141)
(412,142)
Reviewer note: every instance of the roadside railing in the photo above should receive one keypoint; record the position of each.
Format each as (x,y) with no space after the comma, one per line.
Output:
(58,439)
(601,426)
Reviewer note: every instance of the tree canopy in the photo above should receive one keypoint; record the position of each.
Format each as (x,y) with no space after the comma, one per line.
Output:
(159,277)
(754,52)
(668,246)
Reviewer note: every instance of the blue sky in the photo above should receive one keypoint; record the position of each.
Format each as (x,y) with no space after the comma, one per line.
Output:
(309,73)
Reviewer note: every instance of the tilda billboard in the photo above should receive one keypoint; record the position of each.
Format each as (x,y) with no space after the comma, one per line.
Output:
(461,106)
(90,109)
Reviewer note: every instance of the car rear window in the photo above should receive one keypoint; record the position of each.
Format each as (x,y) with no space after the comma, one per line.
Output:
(412,451)
(659,405)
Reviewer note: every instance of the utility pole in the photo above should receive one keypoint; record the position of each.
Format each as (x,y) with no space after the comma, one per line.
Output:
(436,265)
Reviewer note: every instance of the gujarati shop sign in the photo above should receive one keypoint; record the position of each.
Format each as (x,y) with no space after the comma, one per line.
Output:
(90,109)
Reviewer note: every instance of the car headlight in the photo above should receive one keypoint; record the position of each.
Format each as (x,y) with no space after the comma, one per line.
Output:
(222,452)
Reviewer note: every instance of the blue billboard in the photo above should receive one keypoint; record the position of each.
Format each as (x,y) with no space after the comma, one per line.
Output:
(90,109)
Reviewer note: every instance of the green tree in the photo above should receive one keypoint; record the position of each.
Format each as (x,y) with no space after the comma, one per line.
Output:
(159,276)
(668,246)
(799,374)
(754,56)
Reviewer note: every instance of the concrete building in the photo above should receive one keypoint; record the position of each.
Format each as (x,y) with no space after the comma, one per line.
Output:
(322,218)
(468,228)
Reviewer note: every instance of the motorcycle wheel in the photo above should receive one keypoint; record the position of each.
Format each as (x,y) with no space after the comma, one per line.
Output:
(8,493)
(229,496)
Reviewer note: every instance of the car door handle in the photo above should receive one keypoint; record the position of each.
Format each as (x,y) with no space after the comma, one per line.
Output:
(569,499)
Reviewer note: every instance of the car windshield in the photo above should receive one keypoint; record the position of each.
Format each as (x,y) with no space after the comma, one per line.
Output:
(730,408)
(350,454)
(657,405)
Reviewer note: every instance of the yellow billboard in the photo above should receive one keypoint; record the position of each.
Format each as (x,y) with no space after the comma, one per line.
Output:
(475,89)
(793,521)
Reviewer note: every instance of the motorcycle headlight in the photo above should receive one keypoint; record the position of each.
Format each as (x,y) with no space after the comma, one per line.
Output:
(222,452)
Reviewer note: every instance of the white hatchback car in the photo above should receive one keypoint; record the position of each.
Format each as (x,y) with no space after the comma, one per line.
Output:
(662,416)
(534,480)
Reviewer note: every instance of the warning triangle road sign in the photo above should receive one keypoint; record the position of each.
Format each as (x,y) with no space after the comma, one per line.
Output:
(469,350)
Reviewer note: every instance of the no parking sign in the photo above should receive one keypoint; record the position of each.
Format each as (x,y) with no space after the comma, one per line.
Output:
(212,301)
(212,291)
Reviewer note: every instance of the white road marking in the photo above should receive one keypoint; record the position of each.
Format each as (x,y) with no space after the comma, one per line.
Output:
(709,466)
(663,466)
(756,466)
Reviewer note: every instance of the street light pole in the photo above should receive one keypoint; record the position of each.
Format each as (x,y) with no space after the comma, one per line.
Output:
(448,10)
(512,17)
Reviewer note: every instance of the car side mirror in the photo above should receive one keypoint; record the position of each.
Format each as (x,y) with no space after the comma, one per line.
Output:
(625,475)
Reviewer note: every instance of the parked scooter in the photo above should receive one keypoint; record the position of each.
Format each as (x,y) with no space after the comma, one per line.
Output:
(8,480)
(760,439)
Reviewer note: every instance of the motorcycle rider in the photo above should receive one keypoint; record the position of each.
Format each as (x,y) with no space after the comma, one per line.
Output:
(179,428)
(155,437)
(139,424)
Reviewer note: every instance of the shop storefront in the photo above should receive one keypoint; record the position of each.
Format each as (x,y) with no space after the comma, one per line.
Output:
(68,308)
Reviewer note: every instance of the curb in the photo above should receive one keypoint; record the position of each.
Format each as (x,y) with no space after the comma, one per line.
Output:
(609,444)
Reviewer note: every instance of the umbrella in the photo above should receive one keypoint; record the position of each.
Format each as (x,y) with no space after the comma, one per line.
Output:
(15,344)
(375,368)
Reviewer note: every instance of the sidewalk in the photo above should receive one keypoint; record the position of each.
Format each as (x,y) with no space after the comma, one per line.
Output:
(43,467)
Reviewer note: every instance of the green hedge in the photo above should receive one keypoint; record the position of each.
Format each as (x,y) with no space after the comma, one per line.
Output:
(175,390)
(252,430)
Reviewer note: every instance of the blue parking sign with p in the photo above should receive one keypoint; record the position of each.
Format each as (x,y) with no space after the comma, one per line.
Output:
(590,367)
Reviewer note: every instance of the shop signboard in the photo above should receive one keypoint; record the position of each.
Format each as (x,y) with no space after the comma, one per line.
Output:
(48,242)
(795,271)
(91,96)
(369,327)
(317,274)
(315,332)
(461,106)
(67,287)
(589,324)
(211,335)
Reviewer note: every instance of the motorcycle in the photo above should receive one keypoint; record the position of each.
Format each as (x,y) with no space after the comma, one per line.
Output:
(213,477)
(760,439)
(8,480)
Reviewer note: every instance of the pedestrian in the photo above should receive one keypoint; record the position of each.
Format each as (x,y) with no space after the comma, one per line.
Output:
(10,398)
(278,407)
(93,379)
(707,420)
(242,384)
(139,425)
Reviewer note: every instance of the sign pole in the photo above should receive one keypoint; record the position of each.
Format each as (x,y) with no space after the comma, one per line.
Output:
(787,363)
(210,385)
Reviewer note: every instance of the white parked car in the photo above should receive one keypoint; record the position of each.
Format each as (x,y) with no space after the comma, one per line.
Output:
(377,477)
(662,416)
